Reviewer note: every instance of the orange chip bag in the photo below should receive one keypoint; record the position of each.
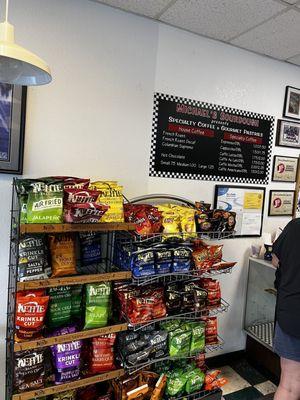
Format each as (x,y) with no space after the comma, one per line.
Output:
(63,255)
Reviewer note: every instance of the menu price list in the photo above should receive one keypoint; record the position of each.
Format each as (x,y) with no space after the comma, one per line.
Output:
(202,141)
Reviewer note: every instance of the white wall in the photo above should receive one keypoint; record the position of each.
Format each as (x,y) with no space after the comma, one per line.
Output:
(95,118)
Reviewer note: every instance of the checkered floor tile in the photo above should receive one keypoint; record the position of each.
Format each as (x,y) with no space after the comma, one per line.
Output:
(245,382)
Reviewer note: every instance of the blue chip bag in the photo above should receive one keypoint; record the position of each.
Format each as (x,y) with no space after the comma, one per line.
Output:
(143,263)
(181,259)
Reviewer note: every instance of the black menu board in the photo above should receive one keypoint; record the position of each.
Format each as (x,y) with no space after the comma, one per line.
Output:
(196,140)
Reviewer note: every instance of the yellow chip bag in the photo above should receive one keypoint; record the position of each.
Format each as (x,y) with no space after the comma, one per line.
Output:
(188,223)
(111,195)
(171,224)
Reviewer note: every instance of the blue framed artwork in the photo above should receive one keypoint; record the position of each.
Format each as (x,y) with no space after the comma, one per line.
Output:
(12,128)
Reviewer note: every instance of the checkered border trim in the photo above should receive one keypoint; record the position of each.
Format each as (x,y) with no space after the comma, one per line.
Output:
(183,175)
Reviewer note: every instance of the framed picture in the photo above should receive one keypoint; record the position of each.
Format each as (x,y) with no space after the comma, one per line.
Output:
(291,107)
(281,203)
(12,128)
(248,204)
(288,134)
(285,169)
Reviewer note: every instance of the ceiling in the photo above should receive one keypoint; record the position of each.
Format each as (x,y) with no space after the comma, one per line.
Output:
(269,27)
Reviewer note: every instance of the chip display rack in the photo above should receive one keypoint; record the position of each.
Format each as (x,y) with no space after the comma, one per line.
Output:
(187,316)
(107,272)
(131,369)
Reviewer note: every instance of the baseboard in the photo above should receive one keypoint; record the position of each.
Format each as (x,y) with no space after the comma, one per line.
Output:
(225,359)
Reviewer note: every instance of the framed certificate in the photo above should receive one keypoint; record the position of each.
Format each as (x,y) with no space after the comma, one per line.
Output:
(248,204)
(281,203)
(285,169)
(288,134)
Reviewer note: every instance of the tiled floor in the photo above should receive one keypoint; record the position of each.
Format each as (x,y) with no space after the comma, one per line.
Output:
(245,382)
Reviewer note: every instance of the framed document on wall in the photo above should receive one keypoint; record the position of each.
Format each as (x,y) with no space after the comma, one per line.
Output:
(248,204)
(285,169)
(281,203)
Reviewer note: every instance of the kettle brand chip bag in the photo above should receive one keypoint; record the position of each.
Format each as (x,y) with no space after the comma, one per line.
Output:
(63,254)
(111,194)
(30,314)
(90,251)
(29,370)
(76,302)
(33,258)
(60,306)
(98,302)
(66,357)
(45,202)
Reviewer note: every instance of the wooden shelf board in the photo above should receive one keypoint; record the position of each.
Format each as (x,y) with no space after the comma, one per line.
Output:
(74,280)
(60,228)
(43,342)
(69,386)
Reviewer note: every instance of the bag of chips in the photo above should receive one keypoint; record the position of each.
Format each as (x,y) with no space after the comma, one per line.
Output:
(98,302)
(211,330)
(112,196)
(179,343)
(79,196)
(29,371)
(142,263)
(90,249)
(33,258)
(87,213)
(45,202)
(187,222)
(195,380)
(76,302)
(60,306)
(181,259)
(198,338)
(31,310)
(75,183)
(102,359)
(63,255)
(69,395)
(164,260)
(176,383)
(66,357)
(146,218)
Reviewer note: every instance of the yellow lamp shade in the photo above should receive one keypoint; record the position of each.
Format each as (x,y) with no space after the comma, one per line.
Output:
(19,66)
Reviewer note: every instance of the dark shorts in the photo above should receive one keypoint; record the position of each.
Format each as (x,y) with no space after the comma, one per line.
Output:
(286,346)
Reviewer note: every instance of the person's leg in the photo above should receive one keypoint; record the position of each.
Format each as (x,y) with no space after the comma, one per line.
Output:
(289,387)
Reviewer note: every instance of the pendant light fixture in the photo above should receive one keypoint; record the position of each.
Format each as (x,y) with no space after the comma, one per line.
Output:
(19,66)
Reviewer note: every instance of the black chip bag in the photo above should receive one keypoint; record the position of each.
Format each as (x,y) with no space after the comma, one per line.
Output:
(29,371)
(90,251)
(33,258)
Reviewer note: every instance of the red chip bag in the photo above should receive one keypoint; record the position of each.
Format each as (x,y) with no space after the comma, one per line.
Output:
(146,218)
(211,376)
(76,183)
(215,253)
(30,315)
(217,383)
(102,354)
(87,213)
(80,196)
(211,326)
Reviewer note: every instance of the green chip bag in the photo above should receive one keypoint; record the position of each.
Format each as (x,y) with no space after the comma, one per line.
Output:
(176,383)
(198,337)
(45,202)
(179,343)
(170,325)
(194,381)
(98,301)
(76,302)
(59,308)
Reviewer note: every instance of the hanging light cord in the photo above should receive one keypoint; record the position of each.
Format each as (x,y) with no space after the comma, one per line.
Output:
(6,11)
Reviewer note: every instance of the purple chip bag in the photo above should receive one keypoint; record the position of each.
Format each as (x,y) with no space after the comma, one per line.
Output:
(66,357)
(66,375)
